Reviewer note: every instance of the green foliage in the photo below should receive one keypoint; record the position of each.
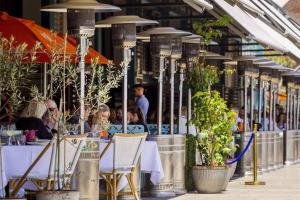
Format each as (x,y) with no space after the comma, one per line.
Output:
(207,29)
(202,77)
(17,65)
(214,121)
(190,161)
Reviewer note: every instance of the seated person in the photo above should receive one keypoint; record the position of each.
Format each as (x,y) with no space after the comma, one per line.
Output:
(136,117)
(119,116)
(31,120)
(52,116)
(100,120)
(76,116)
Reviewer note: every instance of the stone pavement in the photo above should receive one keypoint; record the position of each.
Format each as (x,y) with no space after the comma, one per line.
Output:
(283,184)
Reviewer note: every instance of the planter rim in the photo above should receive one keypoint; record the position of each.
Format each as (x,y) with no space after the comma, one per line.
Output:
(208,167)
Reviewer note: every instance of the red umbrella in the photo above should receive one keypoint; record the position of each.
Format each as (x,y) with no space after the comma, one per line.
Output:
(29,32)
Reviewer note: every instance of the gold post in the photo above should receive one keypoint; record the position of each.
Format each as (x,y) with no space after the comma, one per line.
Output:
(255,182)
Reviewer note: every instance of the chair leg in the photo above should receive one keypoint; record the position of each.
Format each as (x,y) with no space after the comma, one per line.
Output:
(108,188)
(115,186)
(132,186)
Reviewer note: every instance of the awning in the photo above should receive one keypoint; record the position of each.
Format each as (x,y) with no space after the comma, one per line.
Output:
(279,18)
(245,20)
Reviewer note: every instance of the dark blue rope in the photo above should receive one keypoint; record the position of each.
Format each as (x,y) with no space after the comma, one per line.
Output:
(242,153)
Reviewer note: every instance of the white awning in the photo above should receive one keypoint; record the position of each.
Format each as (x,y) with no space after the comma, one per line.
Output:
(279,18)
(244,19)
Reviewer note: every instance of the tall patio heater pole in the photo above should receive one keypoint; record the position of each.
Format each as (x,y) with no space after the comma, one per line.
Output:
(191,47)
(124,38)
(81,24)
(176,54)
(161,48)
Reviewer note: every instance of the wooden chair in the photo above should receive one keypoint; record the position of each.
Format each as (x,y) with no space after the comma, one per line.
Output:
(70,147)
(127,150)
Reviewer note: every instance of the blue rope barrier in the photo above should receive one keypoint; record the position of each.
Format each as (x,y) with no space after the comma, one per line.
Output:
(243,152)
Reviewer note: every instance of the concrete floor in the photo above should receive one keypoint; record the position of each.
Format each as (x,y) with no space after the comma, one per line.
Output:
(283,184)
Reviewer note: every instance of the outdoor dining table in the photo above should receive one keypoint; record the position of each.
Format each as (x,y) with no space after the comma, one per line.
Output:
(15,160)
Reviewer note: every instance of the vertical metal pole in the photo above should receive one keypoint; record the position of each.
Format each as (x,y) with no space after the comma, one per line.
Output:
(245,103)
(181,79)
(172,71)
(291,110)
(298,109)
(124,91)
(274,108)
(255,181)
(295,110)
(260,100)
(251,102)
(83,49)
(287,108)
(265,105)
(271,106)
(45,80)
(189,101)
(160,94)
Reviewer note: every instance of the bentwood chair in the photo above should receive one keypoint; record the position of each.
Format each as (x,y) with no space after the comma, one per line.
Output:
(127,150)
(70,147)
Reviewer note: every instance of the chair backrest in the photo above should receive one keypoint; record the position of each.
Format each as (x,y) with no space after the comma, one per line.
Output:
(135,129)
(153,128)
(127,149)
(70,147)
(115,129)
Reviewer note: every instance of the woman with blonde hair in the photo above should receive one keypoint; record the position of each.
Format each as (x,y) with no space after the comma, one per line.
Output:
(100,121)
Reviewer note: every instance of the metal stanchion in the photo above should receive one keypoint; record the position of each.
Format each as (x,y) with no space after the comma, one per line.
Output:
(255,181)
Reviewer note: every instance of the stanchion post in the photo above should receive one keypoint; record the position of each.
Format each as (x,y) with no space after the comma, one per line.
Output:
(255,181)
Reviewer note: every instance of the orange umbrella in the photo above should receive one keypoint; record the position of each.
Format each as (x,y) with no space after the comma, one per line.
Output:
(29,32)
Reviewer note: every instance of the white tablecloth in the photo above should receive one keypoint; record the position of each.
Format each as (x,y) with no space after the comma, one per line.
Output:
(16,160)
(150,161)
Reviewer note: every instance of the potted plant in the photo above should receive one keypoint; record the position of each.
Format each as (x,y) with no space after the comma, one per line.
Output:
(214,122)
(211,116)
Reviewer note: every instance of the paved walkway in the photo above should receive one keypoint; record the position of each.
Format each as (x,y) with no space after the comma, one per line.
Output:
(283,184)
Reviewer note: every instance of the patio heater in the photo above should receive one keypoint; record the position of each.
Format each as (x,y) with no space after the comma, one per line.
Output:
(191,48)
(81,25)
(165,42)
(123,39)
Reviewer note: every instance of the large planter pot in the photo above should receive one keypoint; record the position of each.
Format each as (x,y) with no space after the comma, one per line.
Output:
(58,195)
(230,173)
(209,180)
(13,198)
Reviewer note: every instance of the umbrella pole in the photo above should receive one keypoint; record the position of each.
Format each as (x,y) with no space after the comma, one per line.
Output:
(83,51)
(126,53)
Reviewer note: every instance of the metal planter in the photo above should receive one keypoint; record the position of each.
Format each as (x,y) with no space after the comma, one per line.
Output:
(210,180)
(179,164)
(264,150)
(289,146)
(271,141)
(165,146)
